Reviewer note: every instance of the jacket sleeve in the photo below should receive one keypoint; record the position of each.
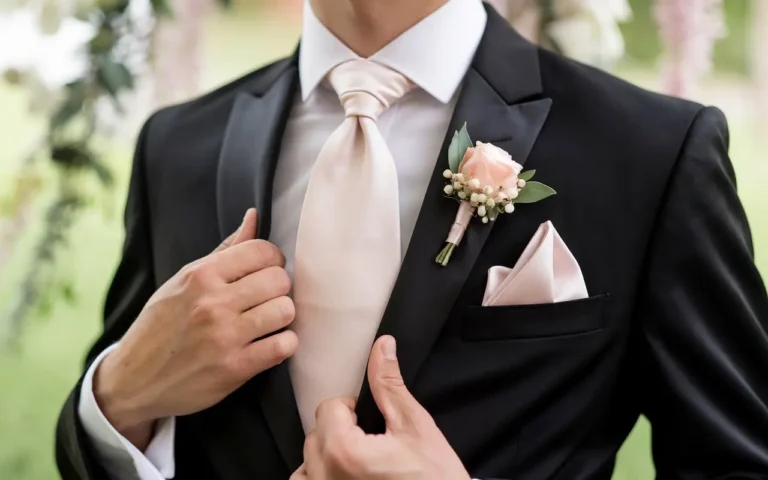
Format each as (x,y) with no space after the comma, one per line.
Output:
(131,287)
(701,340)
(119,457)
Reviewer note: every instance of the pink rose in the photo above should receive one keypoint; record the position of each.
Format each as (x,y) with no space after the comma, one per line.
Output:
(491,165)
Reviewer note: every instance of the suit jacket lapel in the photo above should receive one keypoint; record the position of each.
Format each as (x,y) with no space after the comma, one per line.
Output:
(250,150)
(503,75)
(246,171)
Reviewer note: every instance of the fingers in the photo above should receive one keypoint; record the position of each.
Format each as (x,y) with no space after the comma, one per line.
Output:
(313,459)
(334,416)
(259,287)
(336,439)
(246,231)
(300,474)
(250,256)
(264,354)
(249,226)
(395,402)
(241,254)
(267,318)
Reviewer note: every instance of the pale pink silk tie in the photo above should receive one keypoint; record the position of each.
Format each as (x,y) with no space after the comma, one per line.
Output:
(348,244)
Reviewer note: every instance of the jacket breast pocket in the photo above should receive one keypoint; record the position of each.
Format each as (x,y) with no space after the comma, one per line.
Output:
(517,322)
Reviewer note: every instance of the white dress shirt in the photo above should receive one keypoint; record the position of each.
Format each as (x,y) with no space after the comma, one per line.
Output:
(435,54)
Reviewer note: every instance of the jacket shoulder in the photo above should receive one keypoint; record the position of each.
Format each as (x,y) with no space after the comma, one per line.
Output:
(590,90)
(603,109)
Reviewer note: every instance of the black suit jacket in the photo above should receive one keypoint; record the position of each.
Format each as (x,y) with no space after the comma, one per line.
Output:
(675,327)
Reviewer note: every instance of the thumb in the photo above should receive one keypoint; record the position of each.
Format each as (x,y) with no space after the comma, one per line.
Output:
(246,231)
(395,402)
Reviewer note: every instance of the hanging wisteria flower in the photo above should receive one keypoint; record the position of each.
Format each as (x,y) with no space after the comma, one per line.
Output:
(689,30)
(487,182)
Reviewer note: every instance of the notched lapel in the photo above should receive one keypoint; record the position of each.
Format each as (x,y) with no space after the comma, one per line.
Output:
(424,292)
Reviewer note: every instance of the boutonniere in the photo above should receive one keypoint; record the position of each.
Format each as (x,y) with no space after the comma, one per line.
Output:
(486,182)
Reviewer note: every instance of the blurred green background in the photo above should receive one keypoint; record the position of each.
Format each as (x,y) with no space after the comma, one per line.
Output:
(36,376)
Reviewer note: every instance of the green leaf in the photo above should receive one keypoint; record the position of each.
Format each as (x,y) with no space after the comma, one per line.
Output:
(71,106)
(464,141)
(458,147)
(104,41)
(114,76)
(453,153)
(113,6)
(161,8)
(534,192)
(527,176)
(70,155)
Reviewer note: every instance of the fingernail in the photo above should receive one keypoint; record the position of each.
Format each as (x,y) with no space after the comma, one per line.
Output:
(245,217)
(389,348)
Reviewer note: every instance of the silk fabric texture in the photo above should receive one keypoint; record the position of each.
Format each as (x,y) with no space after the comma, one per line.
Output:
(514,391)
(348,245)
(546,272)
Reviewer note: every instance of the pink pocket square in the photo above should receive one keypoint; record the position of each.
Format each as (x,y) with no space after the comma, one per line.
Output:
(545,273)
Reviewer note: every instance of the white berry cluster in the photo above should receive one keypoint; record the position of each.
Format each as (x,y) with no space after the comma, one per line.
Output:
(488,200)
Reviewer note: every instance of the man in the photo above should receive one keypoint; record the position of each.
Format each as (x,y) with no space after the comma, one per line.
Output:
(250,362)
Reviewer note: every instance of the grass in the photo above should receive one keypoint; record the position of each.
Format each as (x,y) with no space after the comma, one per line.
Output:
(35,378)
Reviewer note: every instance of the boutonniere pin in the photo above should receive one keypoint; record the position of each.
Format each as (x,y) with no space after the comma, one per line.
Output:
(486,182)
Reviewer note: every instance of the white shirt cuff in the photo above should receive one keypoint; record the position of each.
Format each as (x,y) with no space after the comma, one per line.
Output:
(121,459)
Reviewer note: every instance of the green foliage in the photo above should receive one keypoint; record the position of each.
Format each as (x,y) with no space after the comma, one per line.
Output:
(731,53)
(458,147)
(161,7)
(73,104)
(534,192)
(103,42)
(48,362)
(68,144)
(114,77)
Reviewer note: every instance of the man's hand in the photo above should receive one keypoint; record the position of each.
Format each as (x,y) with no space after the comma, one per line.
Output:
(413,447)
(200,336)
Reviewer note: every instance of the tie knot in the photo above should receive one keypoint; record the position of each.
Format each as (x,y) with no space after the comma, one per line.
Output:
(366,88)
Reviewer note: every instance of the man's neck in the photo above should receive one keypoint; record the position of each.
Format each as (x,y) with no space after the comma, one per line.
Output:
(366,26)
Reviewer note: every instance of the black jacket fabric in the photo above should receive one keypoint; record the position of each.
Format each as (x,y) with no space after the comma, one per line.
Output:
(674,328)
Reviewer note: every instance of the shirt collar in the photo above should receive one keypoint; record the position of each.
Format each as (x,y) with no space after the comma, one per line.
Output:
(435,53)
